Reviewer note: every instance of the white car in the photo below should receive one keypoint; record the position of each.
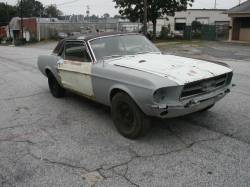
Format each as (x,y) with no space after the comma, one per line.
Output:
(128,73)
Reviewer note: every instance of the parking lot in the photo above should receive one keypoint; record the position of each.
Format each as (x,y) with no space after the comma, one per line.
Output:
(72,141)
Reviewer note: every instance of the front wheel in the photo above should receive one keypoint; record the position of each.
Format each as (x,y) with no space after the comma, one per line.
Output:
(129,120)
(55,88)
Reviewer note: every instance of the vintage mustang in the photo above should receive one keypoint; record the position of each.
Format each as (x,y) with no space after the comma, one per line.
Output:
(127,72)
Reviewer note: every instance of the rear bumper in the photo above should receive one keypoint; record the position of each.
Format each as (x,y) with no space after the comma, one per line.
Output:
(188,106)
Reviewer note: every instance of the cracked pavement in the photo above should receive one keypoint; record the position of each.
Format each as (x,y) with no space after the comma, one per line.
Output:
(72,141)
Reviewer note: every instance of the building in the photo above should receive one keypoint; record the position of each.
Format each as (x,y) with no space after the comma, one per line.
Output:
(29,28)
(3,32)
(240,22)
(185,18)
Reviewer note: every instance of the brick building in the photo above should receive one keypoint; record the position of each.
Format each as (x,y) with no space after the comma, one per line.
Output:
(29,28)
(3,32)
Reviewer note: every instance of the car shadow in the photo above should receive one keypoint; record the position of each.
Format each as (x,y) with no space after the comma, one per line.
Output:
(161,128)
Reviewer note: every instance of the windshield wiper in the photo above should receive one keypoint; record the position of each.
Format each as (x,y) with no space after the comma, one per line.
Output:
(145,52)
(112,56)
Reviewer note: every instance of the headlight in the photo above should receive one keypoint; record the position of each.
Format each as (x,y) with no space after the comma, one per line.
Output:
(160,95)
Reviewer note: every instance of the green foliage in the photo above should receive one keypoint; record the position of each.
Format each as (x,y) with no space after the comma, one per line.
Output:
(19,42)
(52,11)
(134,9)
(6,13)
(106,15)
(165,31)
(117,16)
(196,26)
(33,8)
(30,8)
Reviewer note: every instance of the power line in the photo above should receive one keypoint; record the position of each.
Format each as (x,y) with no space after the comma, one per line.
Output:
(66,3)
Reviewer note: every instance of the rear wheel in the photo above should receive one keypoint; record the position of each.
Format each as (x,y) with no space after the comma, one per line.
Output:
(129,120)
(55,88)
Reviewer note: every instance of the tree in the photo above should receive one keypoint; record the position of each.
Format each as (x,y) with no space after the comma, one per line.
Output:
(94,17)
(196,26)
(117,16)
(30,8)
(6,13)
(106,15)
(52,11)
(134,9)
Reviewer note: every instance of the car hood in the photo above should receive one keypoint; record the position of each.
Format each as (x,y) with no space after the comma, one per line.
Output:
(179,69)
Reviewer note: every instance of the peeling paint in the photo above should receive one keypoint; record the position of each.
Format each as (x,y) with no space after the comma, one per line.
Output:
(179,69)
(76,76)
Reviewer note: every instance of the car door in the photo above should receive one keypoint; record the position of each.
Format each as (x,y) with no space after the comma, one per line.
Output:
(75,68)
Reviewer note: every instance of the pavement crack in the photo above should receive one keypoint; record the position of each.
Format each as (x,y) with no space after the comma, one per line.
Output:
(13,127)
(230,135)
(22,97)
(18,141)
(205,140)
(57,162)
(194,142)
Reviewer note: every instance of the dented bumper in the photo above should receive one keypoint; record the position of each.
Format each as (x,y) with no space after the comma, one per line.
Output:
(188,106)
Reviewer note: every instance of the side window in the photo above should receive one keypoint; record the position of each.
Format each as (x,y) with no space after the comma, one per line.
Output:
(76,51)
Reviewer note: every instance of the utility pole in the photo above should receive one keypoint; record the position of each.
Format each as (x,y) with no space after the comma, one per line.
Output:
(21,15)
(215,4)
(8,18)
(145,19)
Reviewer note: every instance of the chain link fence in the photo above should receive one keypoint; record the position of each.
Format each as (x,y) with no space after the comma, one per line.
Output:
(51,30)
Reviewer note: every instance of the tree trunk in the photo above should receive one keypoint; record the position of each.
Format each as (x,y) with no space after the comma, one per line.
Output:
(154,29)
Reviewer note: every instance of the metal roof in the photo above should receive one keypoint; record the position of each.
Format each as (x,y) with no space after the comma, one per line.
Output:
(242,8)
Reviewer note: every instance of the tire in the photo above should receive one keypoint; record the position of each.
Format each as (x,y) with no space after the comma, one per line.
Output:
(55,88)
(129,120)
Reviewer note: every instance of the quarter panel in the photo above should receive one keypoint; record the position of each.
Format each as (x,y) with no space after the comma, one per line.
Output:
(49,62)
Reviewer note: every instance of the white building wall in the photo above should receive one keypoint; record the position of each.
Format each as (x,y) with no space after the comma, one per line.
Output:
(211,16)
(204,16)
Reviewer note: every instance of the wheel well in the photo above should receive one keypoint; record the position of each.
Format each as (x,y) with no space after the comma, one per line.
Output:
(48,72)
(116,91)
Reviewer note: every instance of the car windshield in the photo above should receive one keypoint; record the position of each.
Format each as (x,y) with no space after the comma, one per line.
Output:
(121,45)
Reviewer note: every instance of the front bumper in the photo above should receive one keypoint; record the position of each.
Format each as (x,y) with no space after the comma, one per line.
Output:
(188,106)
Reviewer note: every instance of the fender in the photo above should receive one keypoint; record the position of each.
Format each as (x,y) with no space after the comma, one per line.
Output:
(124,89)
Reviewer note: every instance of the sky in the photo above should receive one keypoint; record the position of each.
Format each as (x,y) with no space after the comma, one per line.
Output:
(99,7)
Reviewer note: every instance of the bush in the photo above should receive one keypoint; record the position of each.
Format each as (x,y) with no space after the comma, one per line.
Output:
(165,31)
(196,26)
(196,35)
(19,42)
(33,40)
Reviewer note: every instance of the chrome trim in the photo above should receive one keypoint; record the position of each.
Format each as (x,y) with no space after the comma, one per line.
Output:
(108,36)
(199,94)
(92,60)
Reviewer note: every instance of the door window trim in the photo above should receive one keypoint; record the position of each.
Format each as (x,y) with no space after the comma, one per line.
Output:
(81,42)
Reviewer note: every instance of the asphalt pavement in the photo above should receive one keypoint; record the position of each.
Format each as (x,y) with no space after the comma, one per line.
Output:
(72,141)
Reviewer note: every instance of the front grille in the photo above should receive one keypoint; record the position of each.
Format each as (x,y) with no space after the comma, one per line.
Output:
(206,85)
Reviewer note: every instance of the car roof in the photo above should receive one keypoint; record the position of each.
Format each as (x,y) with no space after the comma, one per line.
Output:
(87,37)
(90,36)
